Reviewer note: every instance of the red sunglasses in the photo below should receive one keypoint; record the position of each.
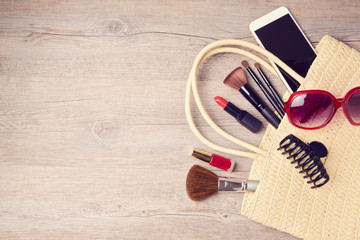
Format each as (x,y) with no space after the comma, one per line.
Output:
(313,109)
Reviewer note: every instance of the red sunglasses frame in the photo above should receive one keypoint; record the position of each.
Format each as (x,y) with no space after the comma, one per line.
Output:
(338,103)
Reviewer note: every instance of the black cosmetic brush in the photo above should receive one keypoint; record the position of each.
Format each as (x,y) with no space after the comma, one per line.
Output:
(237,80)
(270,86)
(201,183)
(267,94)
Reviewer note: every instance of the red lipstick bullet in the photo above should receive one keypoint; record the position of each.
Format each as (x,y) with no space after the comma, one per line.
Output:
(242,116)
(214,160)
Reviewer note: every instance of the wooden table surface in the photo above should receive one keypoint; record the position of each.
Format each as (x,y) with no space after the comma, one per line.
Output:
(93,138)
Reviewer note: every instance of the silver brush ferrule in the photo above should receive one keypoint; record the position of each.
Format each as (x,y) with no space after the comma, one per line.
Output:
(237,185)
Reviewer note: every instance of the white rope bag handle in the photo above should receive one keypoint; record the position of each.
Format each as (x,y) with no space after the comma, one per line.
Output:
(223,46)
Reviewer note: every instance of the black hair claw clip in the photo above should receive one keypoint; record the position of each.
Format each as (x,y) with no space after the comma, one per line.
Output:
(307,157)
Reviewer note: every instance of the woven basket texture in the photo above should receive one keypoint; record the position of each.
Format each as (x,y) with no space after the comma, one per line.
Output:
(283,199)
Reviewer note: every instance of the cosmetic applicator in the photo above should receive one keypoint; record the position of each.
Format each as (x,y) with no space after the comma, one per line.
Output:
(214,160)
(242,116)
(267,94)
(270,86)
(201,183)
(237,80)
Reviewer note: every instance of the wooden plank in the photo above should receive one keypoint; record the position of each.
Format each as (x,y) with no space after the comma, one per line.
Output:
(93,139)
(81,202)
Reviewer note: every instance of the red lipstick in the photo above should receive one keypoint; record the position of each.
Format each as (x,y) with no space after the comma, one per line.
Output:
(222,102)
(214,160)
(242,116)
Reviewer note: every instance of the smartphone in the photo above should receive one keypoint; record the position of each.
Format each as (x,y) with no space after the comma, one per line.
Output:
(279,33)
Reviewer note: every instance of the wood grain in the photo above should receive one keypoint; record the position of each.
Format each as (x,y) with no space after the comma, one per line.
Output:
(93,138)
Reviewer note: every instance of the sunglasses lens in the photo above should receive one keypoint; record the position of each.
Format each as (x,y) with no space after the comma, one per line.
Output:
(353,107)
(311,110)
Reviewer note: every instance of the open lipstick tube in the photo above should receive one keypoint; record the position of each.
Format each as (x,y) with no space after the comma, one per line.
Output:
(242,116)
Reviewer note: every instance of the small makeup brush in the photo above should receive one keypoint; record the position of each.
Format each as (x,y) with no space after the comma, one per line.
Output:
(237,80)
(270,86)
(263,89)
(201,183)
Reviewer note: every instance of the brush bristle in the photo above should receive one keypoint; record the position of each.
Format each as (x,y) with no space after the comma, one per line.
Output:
(257,65)
(201,183)
(236,79)
(245,64)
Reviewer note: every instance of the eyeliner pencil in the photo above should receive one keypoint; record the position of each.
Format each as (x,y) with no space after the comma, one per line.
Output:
(264,90)
(268,83)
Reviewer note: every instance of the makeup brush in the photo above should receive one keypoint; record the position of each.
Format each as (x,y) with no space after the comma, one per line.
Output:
(270,86)
(201,183)
(237,80)
(263,89)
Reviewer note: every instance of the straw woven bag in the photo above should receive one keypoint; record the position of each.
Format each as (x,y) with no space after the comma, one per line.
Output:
(284,200)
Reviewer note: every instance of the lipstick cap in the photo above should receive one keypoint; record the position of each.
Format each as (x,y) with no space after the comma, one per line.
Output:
(249,121)
(202,155)
(243,117)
